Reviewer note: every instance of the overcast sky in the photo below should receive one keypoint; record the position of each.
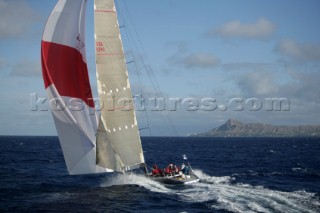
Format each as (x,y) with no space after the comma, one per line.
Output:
(223,50)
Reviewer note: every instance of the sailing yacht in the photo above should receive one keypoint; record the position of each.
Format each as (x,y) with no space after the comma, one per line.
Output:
(91,142)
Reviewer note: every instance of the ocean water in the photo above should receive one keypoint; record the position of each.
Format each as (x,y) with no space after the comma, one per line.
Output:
(238,175)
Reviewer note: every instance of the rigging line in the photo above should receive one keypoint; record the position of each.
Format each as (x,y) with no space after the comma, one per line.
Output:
(152,80)
(157,92)
(150,77)
(150,70)
(134,60)
(128,32)
(151,73)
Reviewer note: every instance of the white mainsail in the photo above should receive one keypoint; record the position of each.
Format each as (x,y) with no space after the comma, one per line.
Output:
(89,144)
(118,133)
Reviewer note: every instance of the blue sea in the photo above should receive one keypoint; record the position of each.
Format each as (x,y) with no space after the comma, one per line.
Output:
(237,175)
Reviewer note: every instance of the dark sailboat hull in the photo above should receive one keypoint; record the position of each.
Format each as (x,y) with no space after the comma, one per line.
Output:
(176,180)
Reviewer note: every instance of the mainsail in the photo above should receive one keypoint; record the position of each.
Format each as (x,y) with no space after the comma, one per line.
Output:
(118,133)
(90,144)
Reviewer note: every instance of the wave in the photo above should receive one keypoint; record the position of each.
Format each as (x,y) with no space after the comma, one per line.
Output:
(242,197)
(221,193)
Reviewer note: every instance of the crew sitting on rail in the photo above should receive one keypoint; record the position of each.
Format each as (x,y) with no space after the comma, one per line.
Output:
(156,171)
(171,169)
(168,169)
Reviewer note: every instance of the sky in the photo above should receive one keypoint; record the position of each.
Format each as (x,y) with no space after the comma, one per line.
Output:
(222,59)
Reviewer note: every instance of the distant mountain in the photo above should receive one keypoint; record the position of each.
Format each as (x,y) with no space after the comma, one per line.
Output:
(234,128)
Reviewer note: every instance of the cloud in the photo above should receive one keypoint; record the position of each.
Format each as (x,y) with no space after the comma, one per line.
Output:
(199,60)
(244,66)
(16,18)
(303,85)
(26,68)
(258,83)
(299,85)
(298,51)
(261,29)
(2,62)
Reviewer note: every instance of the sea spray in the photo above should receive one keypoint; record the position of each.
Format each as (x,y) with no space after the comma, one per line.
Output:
(241,197)
(135,179)
(221,193)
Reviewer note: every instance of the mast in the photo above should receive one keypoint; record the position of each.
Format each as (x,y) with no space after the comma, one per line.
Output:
(118,140)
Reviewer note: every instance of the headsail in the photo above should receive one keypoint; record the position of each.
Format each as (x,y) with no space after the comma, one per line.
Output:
(118,133)
(67,84)
(89,147)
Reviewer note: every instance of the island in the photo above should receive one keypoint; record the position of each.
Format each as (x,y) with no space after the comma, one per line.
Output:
(235,128)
